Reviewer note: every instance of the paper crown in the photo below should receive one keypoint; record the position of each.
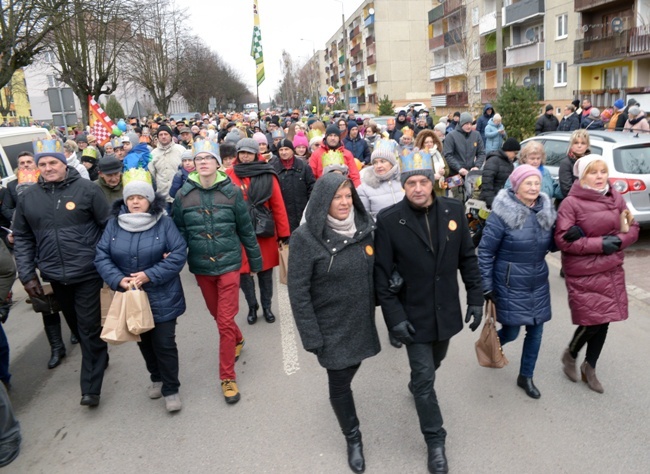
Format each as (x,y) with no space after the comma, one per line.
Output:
(116,142)
(90,151)
(205,146)
(136,174)
(314,133)
(47,146)
(27,176)
(407,132)
(332,157)
(417,160)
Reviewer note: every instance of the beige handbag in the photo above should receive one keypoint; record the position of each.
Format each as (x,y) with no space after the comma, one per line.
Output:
(488,346)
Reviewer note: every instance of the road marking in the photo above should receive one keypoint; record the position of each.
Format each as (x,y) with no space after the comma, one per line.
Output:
(287,330)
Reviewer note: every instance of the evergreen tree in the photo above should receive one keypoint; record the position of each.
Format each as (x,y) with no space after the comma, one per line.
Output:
(114,109)
(386,106)
(519,108)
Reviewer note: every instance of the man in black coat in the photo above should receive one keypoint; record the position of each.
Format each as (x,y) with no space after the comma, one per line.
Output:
(57,225)
(547,122)
(425,240)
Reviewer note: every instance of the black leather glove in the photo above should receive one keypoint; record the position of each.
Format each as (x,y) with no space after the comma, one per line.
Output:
(402,332)
(611,244)
(33,288)
(573,234)
(475,312)
(489,296)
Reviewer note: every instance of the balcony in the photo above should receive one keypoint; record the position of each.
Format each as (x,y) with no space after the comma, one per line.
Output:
(604,97)
(599,48)
(356,50)
(523,54)
(639,40)
(370,40)
(436,73)
(436,13)
(457,99)
(437,42)
(522,10)
(371,79)
(453,37)
(450,69)
(489,60)
(369,21)
(371,60)
(355,31)
(586,5)
(361,83)
(452,6)
(488,95)
(488,22)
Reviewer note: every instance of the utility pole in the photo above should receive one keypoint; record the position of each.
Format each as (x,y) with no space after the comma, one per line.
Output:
(499,46)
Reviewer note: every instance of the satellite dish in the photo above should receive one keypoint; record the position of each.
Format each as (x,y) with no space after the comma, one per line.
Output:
(530,34)
(527,81)
(585,28)
(617,24)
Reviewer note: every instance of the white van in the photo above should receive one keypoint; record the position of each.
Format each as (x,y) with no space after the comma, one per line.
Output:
(14,140)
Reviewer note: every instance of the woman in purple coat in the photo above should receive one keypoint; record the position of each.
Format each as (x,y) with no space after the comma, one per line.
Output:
(593,228)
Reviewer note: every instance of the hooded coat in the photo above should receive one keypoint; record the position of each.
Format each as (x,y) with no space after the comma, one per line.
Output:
(483,120)
(376,194)
(638,125)
(493,139)
(496,172)
(463,150)
(591,123)
(595,281)
(120,253)
(330,281)
(511,257)
(296,184)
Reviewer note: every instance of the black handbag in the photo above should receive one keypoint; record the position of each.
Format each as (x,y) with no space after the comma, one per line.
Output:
(46,303)
(262,219)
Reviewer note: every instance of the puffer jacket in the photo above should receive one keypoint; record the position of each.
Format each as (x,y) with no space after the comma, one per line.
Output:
(179,180)
(493,139)
(330,282)
(496,171)
(120,253)
(463,150)
(56,228)
(376,194)
(215,224)
(511,257)
(591,123)
(163,167)
(546,123)
(595,281)
(549,186)
(359,148)
(296,184)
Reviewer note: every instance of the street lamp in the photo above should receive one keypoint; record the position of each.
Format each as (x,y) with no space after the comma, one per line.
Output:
(311,68)
(345,56)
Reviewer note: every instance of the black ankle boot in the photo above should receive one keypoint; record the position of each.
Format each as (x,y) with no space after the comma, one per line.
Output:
(346,414)
(252,314)
(268,315)
(437,460)
(529,387)
(55,339)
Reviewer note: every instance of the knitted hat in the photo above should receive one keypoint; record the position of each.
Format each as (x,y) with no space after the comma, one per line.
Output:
(165,128)
(511,144)
(332,130)
(187,155)
(522,172)
(581,164)
(109,165)
(619,104)
(441,127)
(634,110)
(443,119)
(548,107)
(300,139)
(260,138)
(465,117)
(416,163)
(286,143)
(594,112)
(385,150)
(249,145)
(457,114)
(401,112)
(233,136)
(576,103)
(81,139)
(632,102)
(352,124)
(139,188)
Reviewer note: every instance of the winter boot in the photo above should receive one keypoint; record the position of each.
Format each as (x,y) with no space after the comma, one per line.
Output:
(268,315)
(570,366)
(346,413)
(589,376)
(56,343)
(252,314)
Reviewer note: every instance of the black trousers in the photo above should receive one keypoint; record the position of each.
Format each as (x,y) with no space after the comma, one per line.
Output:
(54,319)
(425,360)
(247,284)
(80,302)
(340,381)
(594,337)
(158,347)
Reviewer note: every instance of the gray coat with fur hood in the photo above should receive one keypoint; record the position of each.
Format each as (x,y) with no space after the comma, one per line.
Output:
(511,257)
(376,194)
(330,282)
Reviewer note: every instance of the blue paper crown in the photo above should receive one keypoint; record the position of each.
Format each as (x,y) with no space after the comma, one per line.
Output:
(42,147)
(116,142)
(416,160)
(205,146)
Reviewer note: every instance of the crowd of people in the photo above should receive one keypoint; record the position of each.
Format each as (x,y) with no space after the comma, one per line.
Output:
(372,216)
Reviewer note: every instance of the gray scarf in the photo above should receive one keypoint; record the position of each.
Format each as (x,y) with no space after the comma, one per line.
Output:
(345,227)
(138,222)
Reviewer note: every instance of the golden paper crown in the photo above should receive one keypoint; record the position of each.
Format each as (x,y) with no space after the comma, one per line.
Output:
(136,174)
(333,157)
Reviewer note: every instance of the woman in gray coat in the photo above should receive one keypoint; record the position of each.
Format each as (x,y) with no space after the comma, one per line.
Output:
(330,281)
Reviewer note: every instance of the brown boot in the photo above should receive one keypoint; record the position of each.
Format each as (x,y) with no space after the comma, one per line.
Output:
(589,376)
(570,366)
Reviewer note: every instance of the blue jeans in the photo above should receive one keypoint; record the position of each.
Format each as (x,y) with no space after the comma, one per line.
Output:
(532,343)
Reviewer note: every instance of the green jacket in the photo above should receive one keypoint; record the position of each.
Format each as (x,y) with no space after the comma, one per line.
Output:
(215,224)
(111,194)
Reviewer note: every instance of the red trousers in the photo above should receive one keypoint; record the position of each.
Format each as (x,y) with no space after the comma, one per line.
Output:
(221,295)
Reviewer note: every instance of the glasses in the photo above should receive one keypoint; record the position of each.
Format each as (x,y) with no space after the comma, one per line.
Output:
(203,159)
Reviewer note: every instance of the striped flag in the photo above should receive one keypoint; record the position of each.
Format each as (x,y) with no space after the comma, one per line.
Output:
(101,124)
(256,46)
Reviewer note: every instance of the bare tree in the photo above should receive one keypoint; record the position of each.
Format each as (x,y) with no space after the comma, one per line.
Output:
(24,25)
(156,55)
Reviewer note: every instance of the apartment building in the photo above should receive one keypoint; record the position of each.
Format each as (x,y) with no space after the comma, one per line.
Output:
(385,46)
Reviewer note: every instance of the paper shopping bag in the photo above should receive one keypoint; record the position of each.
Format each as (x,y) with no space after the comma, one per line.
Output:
(115,330)
(105,299)
(284,263)
(139,317)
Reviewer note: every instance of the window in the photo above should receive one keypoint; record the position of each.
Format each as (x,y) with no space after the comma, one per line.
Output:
(476,54)
(562,26)
(560,74)
(477,83)
(51,81)
(615,77)
(474,16)
(50,58)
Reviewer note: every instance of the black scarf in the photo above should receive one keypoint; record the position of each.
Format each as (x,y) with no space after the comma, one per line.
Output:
(261,175)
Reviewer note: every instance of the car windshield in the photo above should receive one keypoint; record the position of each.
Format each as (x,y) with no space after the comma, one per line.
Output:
(632,160)
(556,151)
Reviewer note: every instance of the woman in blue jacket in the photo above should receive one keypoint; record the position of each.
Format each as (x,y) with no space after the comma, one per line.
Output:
(516,239)
(141,246)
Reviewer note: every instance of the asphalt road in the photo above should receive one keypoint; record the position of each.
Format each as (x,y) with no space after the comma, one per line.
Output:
(284,423)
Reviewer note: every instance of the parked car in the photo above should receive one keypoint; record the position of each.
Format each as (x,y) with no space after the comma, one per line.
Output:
(418,106)
(627,157)
(184,115)
(13,141)
(382,120)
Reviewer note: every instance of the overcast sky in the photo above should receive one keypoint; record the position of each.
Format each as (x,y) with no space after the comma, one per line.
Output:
(227,26)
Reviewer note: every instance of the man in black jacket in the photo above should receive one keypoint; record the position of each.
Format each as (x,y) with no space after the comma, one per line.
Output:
(547,122)
(425,240)
(570,122)
(57,224)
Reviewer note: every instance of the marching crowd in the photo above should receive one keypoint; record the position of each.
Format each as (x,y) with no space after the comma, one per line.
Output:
(372,217)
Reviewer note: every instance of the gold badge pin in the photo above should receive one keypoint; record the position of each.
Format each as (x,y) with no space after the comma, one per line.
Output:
(70,205)
(453,226)
(370,250)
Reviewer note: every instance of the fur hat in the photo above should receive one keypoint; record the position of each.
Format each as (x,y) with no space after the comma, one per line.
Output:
(522,172)
(465,117)
(139,188)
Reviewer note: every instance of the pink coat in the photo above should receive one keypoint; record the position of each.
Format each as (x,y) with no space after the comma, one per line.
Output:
(595,281)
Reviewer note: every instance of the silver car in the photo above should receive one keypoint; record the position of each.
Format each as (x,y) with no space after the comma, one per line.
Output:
(627,156)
